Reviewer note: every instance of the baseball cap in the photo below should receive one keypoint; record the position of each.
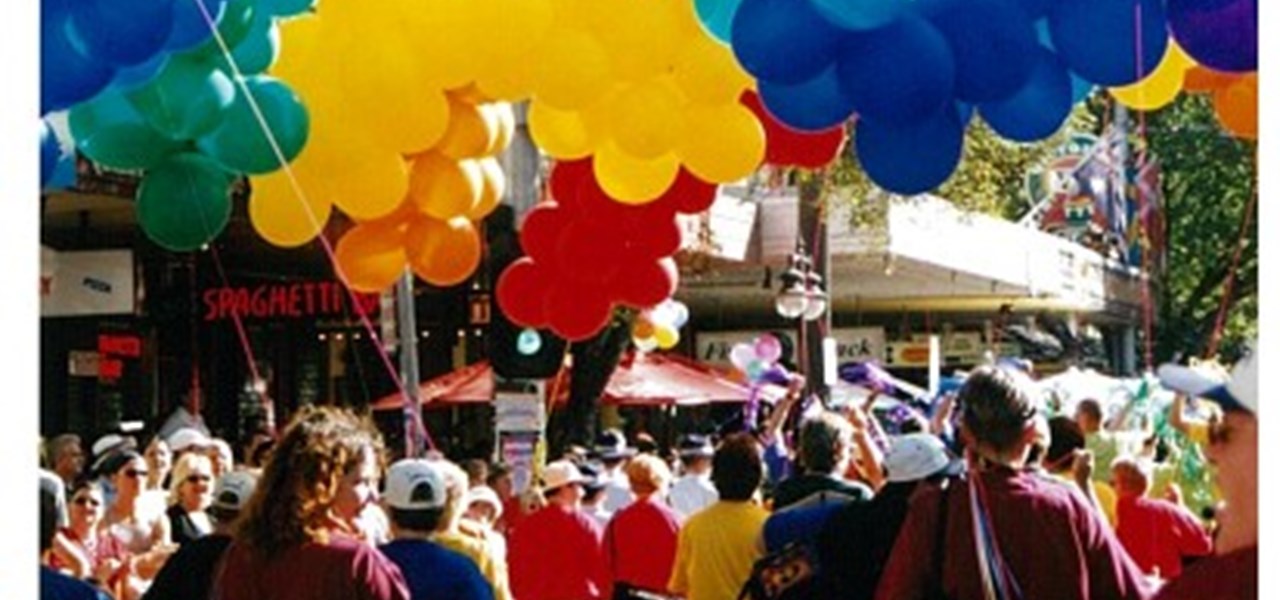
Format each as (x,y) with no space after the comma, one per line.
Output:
(611,444)
(559,474)
(233,490)
(186,439)
(415,484)
(108,447)
(1239,392)
(485,494)
(915,456)
(693,444)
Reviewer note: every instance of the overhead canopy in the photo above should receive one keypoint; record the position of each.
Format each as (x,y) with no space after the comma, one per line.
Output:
(641,379)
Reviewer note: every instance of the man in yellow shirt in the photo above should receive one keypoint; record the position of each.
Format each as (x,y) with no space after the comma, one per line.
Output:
(719,544)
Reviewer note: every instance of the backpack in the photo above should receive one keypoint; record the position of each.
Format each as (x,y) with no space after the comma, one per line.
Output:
(791,573)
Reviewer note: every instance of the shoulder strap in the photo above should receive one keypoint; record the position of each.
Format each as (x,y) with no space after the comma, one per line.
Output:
(940,535)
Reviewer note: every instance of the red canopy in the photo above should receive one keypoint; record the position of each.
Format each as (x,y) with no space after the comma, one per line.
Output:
(641,379)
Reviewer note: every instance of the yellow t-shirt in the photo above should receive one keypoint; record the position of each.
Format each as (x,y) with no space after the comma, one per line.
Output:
(1105,493)
(716,550)
(485,555)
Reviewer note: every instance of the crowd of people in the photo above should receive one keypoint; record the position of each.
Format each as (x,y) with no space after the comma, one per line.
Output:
(993,496)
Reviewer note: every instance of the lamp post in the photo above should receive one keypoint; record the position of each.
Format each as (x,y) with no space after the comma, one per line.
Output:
(802,296)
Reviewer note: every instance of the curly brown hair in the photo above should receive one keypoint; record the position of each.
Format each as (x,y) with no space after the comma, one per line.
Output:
(291,502)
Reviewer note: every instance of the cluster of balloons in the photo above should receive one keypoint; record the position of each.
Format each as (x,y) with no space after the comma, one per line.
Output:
(787,147)
(150,89)
(57,164)
(452,186)
(585,253)
(659,327)
(758,360)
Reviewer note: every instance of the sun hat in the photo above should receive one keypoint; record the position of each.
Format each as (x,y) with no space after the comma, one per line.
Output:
(559,474)
(188,439)
(1239,392)
(486,495)
(415,484)
(915,456)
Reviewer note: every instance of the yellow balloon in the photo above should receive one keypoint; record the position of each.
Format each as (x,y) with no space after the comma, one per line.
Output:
(632,180)
(572,70)
(708,73)
(444,188)
(1161,86)
(643,37)
(301,43)
(385,92)
(472,132)
(647,118)
(493,188)
(446,34)
(371,257)
(281,216)
(514,29)
(562,134)
(361,178)
(442,253)
(666,336)
(722,143)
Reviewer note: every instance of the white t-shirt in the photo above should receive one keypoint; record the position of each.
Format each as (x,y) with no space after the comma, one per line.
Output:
(693,493)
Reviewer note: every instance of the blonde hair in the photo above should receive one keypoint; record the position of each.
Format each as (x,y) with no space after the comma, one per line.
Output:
(648,474)
(187,464)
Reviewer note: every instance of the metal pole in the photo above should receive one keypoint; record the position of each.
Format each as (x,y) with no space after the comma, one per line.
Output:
(813,230)
(408,327)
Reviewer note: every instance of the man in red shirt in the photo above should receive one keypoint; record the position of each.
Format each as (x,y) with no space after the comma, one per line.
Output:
(1157,533)
(555,553)
(640,541)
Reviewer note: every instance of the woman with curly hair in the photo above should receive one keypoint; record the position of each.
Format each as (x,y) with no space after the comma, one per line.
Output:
(297,538)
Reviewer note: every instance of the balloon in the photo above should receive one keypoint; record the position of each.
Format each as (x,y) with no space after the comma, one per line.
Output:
(572,71)
(520,292)
(472,132)
(187,100)
(741,355)
(786,147)
(716,17)
(647,118)
(352,172)
(783,41)
(283,218)
(707,73)
(529,342)
(190,27)
(67,76)
(540,232)
(859,14)
(505,118)
(628,30)
(1221,35)
(371,257)
(110,132)
(121,32)
(240,145)
(258,50)
(666,336)
(64,173)
(768,348)
(645,344)
(645,284)
(642,328)
(813,105)
(911,159)
(632,180)
(587,252)
(688,194)
(1038,109)
(1237,107)
(493,186)
(873,74)
(131,78)
(680,314)
(561,134)
(50,152)
(445,188)
(1159,88)
(1097,38)
(184,202)
(1202,79)
(722,143)
(577,313)
(233,26)
(442,253)
(287,8)
(755,369)
(992,42)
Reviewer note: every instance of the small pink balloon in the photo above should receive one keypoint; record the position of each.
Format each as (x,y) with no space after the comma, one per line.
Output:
(768,348)
(741,355)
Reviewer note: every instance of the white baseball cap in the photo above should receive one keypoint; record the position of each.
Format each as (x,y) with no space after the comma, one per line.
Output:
(1239,392)
(186,439)
(233,490)
(559,474)
(415,484)
(915,456)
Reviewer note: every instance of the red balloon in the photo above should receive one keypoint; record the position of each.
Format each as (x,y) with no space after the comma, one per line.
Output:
(646,284)
(785,146)
(541,230)
(688,194)
(566,179)
(521,293)
(589,251)
(577,312)
(653,238)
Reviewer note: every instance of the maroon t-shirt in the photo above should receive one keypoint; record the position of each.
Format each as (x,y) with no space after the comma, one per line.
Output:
(1158,534)
(555,554)
(1232,576)
(343,569)
(640,544)
(1054,543)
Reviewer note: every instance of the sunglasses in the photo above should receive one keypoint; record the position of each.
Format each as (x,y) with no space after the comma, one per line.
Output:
(86,501)
(196,478)
(136,473)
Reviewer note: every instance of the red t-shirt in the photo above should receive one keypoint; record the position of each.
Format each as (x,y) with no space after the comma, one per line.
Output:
(640,544)
(1052,540)
(1231,576)
(101,548)
(555,554)
(1158,533)
(343,569)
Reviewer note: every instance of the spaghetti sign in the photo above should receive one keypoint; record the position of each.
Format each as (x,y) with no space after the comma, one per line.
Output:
(293,300)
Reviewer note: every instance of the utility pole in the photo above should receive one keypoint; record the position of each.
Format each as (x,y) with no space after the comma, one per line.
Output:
(814,234)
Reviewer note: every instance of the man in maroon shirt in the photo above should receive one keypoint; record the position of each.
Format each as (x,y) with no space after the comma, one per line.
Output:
(555,553)
(640,541)
(1051,541)
(1233,447)
(1157,533)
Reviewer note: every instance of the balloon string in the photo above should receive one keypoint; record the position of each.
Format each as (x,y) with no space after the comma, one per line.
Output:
(1220,321)
(301,196)
(1148,306)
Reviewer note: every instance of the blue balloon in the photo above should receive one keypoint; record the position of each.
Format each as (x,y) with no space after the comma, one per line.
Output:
(287,8)
(529,342)
(859,15)
(992,41)
(135,77)
(49,152)
(1035,9)
(190,27)
(813,105)
(64,173)
(783,41)
(914,158)
(67,76)
(717,17)
(121,32)
(898,73)
(1097,38)
(1038,109)
(1080,89)
(1219,34)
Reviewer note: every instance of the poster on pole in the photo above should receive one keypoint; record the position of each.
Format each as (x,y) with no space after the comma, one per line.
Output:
(516,449)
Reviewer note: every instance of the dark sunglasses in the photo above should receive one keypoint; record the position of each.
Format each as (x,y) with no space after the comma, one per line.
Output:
(198,477)
(135,473)
(86,501)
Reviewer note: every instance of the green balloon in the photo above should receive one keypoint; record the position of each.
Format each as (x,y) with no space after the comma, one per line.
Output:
(240,145)
(187,100)
(287,8)
(258,50)
(233,27)
(112,133)
(184,202)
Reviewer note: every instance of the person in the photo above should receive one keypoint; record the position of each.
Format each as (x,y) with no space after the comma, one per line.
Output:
(297,538)
(1040,536)
(1106,441)
(556,552)
(188,440)
(826,446)
(595,488)
(415,498)
(189,573)
(484,547)
(1158,534)
(693,491)
(857,539)
(66,457)
(184,416)
(53,584)
(159,462)
(190,494)
(483,506)
(1067,460)
(477,471)
(90,554)
(718,546)
(138,525)
(1232,572)
(640,541)
(502,480)
(219,453)
(612,452)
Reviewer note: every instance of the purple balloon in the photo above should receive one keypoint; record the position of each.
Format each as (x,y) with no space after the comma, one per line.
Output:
(1219,34)
(768,348)
(868,375)
(776,374)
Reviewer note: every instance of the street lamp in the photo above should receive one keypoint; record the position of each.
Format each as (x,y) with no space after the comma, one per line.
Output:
(801,294)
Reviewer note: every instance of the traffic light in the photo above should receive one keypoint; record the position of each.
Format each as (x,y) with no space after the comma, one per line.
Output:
(514,351)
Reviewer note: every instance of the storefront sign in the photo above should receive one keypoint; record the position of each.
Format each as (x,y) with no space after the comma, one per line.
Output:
(120,345)
(86,283)
(294,300)
(852,344)
(518,412)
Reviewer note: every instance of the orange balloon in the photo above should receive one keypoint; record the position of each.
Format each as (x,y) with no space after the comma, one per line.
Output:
(442,253)
(371,257)
(444,188)
(472,132)
(643,329)
(1203,79)
(493,189)
(1237,107)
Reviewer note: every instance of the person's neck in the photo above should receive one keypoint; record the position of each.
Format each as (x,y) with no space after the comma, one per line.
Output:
(83,531)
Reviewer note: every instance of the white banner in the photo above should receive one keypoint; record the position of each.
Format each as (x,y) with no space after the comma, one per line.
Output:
(96,282)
